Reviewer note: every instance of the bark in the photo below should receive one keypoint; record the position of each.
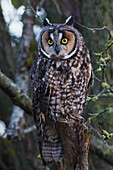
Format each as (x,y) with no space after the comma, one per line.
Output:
(15,93)
(75,136)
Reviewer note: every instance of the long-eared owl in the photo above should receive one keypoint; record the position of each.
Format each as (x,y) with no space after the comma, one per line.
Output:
(59,80)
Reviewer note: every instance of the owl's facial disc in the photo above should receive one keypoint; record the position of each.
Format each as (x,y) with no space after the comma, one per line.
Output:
(58,44)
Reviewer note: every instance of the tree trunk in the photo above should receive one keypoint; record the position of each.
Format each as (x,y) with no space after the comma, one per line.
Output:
(75,136)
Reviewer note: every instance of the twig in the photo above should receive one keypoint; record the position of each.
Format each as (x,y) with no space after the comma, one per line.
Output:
(98,12)
(101,138)
(93,29)
(107,94)
(98,79)
(35,12)
(98,95)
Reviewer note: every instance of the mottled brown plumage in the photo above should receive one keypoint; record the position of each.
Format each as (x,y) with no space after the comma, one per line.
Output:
(59,82)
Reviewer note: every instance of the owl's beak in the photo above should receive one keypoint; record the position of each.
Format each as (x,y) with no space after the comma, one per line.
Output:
(57,50)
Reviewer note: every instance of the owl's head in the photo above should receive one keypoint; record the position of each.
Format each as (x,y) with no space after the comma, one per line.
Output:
(59,41)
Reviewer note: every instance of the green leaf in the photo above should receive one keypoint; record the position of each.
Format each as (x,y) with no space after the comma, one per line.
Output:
(105,85)
(99,69)
(39,156)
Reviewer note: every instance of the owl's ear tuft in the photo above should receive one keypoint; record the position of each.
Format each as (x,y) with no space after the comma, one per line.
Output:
(46,22)
(70,21)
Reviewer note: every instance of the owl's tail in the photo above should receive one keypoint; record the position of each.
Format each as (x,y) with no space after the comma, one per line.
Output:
(51,147)
(52,151)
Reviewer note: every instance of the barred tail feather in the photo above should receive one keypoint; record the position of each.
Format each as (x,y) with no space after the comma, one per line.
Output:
(52,151)
(51,144)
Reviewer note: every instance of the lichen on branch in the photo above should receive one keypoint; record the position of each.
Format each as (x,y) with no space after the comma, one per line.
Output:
(16,95)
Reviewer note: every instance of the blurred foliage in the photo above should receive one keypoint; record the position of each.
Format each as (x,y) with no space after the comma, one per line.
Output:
(17,3)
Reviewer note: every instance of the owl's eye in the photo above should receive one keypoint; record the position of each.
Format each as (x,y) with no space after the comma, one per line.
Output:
(64,41)
(50,42)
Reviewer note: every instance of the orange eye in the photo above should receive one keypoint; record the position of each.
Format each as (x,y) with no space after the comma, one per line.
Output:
(50,42)
(64,41)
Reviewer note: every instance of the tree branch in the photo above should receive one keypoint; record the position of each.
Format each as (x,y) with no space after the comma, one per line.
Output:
(16,95)
(93,29)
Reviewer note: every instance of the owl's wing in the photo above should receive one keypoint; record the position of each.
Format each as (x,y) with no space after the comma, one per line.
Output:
(49,141)
(91,76)
(40,92)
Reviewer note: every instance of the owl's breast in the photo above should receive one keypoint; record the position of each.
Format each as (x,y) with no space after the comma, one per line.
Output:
(67,92)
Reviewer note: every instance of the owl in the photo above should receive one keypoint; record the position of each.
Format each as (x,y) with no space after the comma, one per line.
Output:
(59,80)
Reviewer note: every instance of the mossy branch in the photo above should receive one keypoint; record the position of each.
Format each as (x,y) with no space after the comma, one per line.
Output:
(16,95)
